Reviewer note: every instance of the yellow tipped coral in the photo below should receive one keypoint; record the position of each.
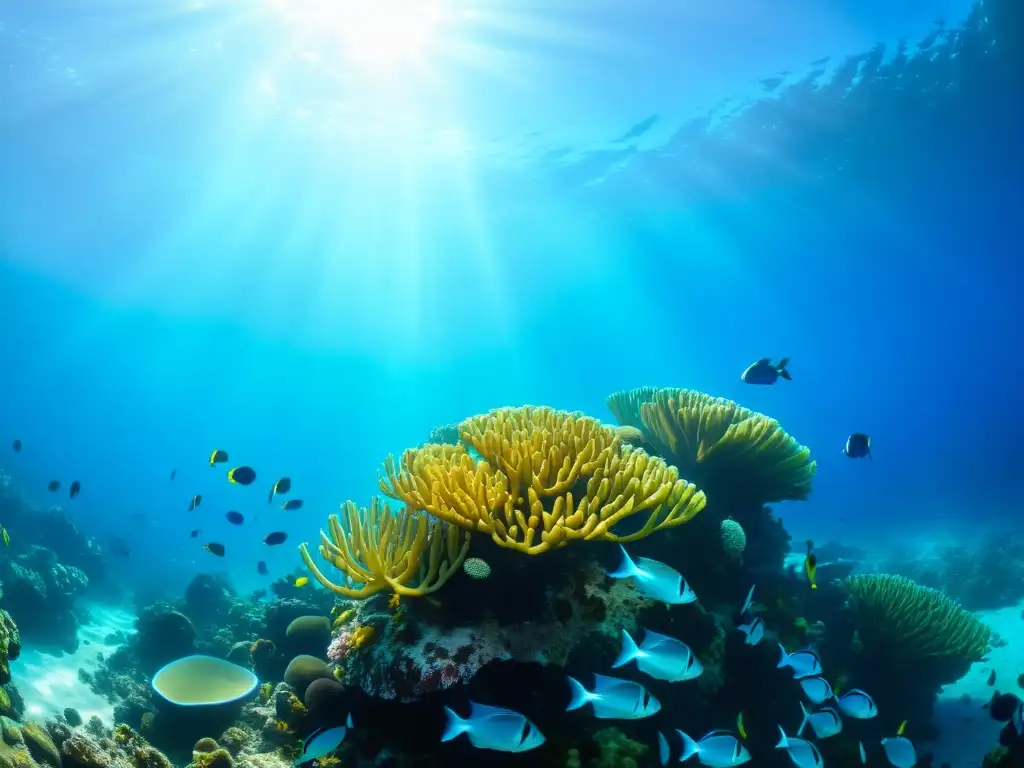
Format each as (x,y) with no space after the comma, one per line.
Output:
(406,552)
(544,478)
(718,443)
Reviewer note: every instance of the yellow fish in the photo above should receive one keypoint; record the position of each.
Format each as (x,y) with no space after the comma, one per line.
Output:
(903,727)
(302,581)
(740,728)
(811,564)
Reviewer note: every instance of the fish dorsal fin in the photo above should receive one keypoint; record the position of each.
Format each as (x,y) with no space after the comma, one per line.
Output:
(652,639)
(718,732)
(320,732)
(606,684)
(486,710)
(855,692)
(765,361)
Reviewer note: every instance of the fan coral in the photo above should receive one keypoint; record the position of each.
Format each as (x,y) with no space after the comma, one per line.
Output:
(382,550)
(914,622)
(535,463)
(713,441)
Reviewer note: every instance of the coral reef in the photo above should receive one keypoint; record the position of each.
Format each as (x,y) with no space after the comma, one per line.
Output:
(712,441)
(40,593)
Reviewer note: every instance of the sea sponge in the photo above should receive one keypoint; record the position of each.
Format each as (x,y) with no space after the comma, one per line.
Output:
(377,549)
(734,539)
(544,478)
(722,446)
(913,622)
(303,670)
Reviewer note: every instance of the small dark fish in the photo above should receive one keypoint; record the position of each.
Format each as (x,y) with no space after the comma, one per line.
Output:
(195,533)
(174,474)
(214,548)
(292,504)
(196,501)
(280,488)
(235,518)
(811,564)
(261,568)
(53,486)
(277,537)
(218,457)
(858,446)
(76,488)
(764,372)
(991,678)
(17,446)
(242,475)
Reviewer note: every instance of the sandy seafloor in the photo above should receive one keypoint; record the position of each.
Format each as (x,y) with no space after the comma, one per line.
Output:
(50,683)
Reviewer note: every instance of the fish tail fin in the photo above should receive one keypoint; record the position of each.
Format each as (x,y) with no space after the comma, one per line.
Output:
(579,695)
(454,726)
(781,368)
(803,723)
(627,568)
(690,747)
(783,741)
(629,651)
(663,749)
(348,721)
(784,661)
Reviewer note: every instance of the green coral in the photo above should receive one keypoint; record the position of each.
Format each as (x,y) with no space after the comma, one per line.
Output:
(913,621)
(10,645)
(617,750)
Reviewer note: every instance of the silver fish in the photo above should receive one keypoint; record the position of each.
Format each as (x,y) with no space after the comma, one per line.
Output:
(660,656)
(654,579)
(824,723)
(497,728)
(802,752)
(764,372)
(754,631)
(817,689)
(718,749)
(899,750)
(323,742)
(857,704)
(613,698)
(748,602)
(803,663)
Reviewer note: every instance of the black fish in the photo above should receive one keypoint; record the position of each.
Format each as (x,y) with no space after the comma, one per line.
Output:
(261,568)
(76,488)
(292,504)
(282,486)
(858,446)
(195,533)
(277,537)
(17,446)
(174,474)
(764,371)
(991,678)
(214,548)
(196,501)
(242,475)
(235,518)
(53,486)
(218,457)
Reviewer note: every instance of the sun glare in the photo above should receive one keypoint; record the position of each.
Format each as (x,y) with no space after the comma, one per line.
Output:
(372,33)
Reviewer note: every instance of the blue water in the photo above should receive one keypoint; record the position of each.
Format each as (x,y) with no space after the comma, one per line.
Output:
(217,231)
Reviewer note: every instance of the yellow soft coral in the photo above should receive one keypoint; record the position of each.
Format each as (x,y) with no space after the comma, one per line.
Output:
(718,443)
(378,549)
(545,478)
